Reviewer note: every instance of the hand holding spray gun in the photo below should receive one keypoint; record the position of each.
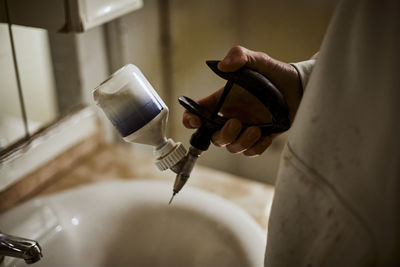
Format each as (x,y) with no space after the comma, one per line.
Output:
(139,114)
(241,106)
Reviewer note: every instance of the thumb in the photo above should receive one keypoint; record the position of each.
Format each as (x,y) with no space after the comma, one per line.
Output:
(239,56)
(234,60)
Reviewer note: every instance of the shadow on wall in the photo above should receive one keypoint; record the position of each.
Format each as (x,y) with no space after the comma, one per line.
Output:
(200,30)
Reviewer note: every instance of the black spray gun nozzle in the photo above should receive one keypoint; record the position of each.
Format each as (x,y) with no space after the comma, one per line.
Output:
(253,82)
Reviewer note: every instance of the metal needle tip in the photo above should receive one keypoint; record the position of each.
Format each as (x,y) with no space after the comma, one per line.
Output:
(173,195)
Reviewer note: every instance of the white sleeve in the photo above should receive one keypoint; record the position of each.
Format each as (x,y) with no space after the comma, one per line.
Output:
(304,68)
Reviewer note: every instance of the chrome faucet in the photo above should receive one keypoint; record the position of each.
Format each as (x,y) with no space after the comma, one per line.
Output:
(21,248)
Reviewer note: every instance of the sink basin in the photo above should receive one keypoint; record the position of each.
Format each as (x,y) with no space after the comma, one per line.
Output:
(129,223)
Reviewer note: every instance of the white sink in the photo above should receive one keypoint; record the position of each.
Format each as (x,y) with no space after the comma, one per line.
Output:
(130,224)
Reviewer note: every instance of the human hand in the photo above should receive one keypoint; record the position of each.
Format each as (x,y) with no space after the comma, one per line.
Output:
(242,106)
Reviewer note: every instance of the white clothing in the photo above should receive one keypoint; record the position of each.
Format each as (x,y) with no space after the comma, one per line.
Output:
(338,190)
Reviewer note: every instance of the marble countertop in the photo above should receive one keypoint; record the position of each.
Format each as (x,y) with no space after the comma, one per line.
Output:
(121,162)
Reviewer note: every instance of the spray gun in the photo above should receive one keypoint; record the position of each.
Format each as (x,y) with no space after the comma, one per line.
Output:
(140,115)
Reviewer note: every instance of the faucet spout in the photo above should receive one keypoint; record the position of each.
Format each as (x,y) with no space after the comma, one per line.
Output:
(22,248)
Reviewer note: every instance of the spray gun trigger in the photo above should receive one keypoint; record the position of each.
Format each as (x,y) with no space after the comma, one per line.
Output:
(204,114)
(218,122)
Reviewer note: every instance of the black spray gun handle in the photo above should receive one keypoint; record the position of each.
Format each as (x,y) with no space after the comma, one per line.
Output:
(254,82)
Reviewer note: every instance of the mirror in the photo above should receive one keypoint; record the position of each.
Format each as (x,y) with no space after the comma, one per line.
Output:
(56,72)
(33,105)
(11,118)
(36,76)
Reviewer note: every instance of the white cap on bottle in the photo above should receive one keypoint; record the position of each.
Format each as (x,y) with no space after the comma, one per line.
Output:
(169,155)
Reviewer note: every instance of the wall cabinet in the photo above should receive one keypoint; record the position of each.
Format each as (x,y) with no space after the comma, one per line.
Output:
(65,15)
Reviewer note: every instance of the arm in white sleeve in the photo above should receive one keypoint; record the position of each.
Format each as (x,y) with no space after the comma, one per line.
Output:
(304,68)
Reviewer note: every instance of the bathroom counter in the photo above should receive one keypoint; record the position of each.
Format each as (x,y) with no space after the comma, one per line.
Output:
(116,161)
